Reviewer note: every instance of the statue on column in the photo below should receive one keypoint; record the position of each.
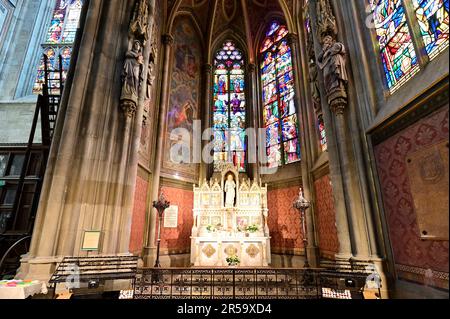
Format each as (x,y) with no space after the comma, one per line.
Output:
(132,78)
(332,59)
(230,191)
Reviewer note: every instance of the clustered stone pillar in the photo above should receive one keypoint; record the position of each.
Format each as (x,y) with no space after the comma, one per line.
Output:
(90,179)
(149,253)
(206,120)
(332,81)
(142,23)
(312,250)
(254,121)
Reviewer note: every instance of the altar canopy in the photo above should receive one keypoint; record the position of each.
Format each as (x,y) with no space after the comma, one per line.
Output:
(226,229)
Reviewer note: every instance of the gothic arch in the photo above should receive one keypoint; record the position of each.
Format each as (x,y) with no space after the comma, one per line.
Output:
(229,35)
(260,35)
(287,14)
(190,15)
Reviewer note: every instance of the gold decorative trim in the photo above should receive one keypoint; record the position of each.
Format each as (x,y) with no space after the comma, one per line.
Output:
(209,251)
(252,251)
(230,251)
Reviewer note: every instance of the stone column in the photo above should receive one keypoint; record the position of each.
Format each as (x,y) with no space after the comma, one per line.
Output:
(342,223)
(86,185)
(137,120)
(149,254)
(254,116)
(206,120)
(308,189)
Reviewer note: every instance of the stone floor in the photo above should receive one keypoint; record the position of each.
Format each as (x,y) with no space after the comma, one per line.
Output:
(409,290)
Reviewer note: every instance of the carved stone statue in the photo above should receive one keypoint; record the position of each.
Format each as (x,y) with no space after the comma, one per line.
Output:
(132,78)
(151,74)
(313,81)
(230,190)
(332,62)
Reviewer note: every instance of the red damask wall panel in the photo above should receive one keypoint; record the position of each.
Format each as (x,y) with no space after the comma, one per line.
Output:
(177,240)
(326,217)
(284,221)
(416,259)
(138,221)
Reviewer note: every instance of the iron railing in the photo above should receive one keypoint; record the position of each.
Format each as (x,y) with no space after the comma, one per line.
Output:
(238,283)
(100,268)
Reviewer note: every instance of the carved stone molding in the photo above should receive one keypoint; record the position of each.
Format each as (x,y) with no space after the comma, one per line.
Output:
(139,27)
(293,39)
(129,108)
(326,22)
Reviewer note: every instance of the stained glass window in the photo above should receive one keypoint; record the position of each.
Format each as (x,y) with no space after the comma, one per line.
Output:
(59,40)
(432,16)
(280,115)
(229,107)
(398,55)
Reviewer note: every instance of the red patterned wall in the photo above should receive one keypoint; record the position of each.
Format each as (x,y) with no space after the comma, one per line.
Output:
(177,240)
(284,221)
(326,217)
(410,252)
(138,220)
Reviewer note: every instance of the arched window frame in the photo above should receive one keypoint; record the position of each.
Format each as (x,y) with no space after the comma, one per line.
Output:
(230,141)
(410,26)
(283,149)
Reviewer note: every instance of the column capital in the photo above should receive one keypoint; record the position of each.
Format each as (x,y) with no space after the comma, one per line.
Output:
(167,39)
(251,67)
(207,68)
(293,39)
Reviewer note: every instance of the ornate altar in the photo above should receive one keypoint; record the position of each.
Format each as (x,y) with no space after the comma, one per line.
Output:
(230,220)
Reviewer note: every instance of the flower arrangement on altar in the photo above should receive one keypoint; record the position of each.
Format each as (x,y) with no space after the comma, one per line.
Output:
(214,229)
(233,261)
(252,228)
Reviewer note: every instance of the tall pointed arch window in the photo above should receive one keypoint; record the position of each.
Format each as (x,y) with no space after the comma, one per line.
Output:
(229,110)
(59,40)
(280,115)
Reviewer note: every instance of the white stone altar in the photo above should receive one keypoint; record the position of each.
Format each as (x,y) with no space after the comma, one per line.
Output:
(223,229)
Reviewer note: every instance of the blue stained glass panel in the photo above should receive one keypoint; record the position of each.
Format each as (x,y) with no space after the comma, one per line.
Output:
(433,18)
(273,134)
(396,47)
